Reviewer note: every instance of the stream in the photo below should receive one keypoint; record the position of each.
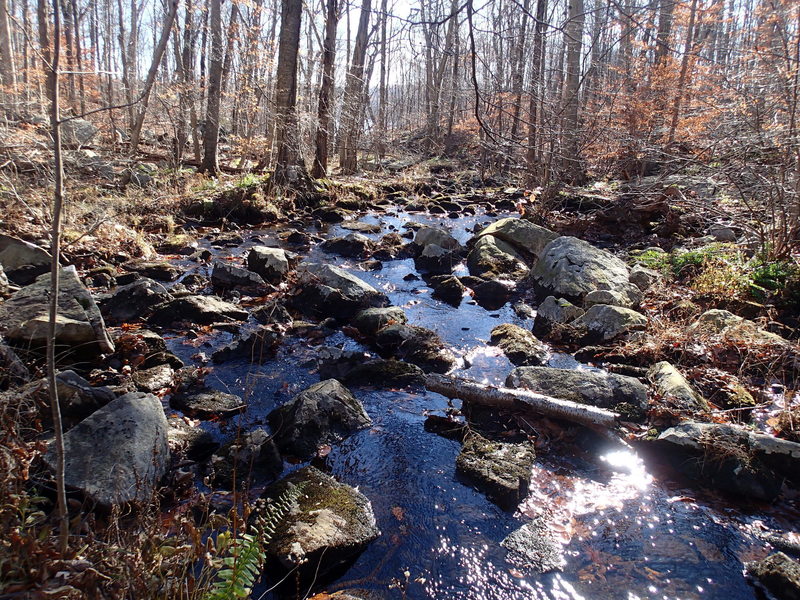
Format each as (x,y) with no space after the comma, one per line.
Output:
(628,531)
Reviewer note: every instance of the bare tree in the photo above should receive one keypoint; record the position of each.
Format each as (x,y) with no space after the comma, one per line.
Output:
(210,162)
(320,166)
(353,96)
(287,140)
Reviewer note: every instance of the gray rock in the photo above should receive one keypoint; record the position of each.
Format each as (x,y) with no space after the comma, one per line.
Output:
(644,278)
(77,397)
(153,379)
(673,388)
(251,456)
(194,442)
(78,132)
(201,310)
(271,263)
(779,574)
(22,261)
(501,470)
(162,271)
(417,345)
(331,523)
(225,276)
(493,294)
(520,233)
(207,403)
(385,374)
(426,236)
(328,291)
(3,281)
(13,371)
(722,234)
(24,318)
(606,390)
(325,413)
(437,260)
(256,346)
(371,320)
(129,303)
(554,311)
(272,313)
(606,297)
(571,268)
(602,323)
(352,245)
(491,257)
(119,453)
(723,322)
(449,289)
(520,346)
(533,546)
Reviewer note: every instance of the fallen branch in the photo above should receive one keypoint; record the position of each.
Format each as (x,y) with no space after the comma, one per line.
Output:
(506,398)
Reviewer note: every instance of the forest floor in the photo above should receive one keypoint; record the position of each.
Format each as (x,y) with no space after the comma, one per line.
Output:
(693,252)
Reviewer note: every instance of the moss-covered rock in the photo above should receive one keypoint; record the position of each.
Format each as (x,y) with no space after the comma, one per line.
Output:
(779,574)
(520,346)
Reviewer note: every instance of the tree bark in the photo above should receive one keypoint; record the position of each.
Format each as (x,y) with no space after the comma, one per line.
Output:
(6,54)
(287,139)
(535,90)
(351,110)
(320,167)
(687,51)
(210,162)
(573,32)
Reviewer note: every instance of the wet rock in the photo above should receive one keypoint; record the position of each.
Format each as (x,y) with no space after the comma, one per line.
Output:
(252,456)
(493,294)
(194,442)
(352,245)
(385,374)
(491,257)
(427,236)
(256,347)
(24,318)
(390,247)
(325,413)
(673,388)
(533,546)
(271,263)
(200,310)
(331,524)
(22,261)
(571,268)
(134,301)
(606,390)
(603,323)
(119,453)
(416,345)
(523,310)
(779,574)
(77,397)
(500,470)
(608,297)
(437,260)
(207,403)
(554,311)
(330,214)
(325,290)
(522,234)
(360,227)
(731,458)
(644,278)
(226,276)
(335,363)
(272,313)
(78,132)
(162,271)
(520,346)
(371,320)
(449,289)
(154,378)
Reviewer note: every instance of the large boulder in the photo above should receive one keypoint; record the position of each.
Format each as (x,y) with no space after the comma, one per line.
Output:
(328,291)
(779,574)
(329,525)
(78,132)
(325,413)
(519,345)
(571,268)
(673,388)
(119,453)
(352,245)
(24,318)
(499,469)
(22,261)
(225,276)
(553,312)
(426,236)
(199,310)
(437,260)
(520,233)
(271,263)
(417,345)
(603,322)
(731,458)
(606,390)
(129,303)
(77,397)
(491,257)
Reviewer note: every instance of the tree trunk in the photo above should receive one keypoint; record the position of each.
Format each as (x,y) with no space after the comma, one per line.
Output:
(351,110)
(687,51)
(7,75)
(320,167)
(211,131)
(287,138)
(535,89)
(573,32)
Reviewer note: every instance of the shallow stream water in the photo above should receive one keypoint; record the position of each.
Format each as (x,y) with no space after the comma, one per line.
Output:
(626,532)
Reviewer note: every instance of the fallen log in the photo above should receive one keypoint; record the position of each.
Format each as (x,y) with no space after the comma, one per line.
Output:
(506,398)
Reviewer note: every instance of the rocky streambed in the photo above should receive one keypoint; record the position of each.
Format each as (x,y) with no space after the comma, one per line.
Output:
(308,363)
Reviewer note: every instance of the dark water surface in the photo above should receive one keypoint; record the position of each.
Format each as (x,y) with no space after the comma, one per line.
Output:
(626,534)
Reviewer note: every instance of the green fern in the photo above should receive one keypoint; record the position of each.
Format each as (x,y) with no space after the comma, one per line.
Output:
(246,554)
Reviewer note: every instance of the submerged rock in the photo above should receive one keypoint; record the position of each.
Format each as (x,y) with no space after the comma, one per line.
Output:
(24,318)
(200,310)
(606,390)
(501,470)
(119,453)
(416,345)
(779,574)
(385,374)
(328,291)
(674,389)
(533,546)
(330,524)
(325,413)
(520,346)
